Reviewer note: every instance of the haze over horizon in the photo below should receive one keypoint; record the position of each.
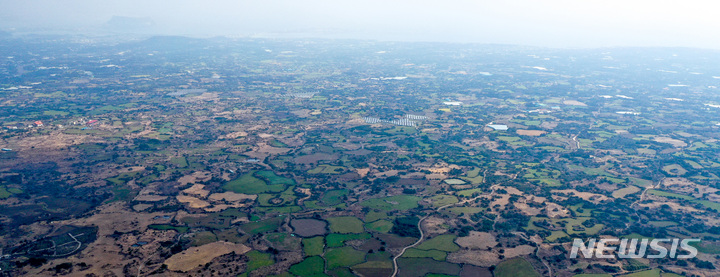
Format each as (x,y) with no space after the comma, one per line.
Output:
(551,23)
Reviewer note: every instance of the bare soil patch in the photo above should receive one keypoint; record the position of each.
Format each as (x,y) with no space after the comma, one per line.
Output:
(553,210)
(231,196)
(198,256)
(674,142)
(587,196)
(197,190)
(527,210)
(362,171)
(473,257)
(574,103)
(532,133)
(235,135)
(477,241)
(519,250)
(434,225)
(192,201)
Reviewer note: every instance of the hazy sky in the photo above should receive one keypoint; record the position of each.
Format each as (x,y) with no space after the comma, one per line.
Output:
(556,23)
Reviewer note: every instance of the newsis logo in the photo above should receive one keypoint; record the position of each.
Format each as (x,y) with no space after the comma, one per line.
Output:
(634,248)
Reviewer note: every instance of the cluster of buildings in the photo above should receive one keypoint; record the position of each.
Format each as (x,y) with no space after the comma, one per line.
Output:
(22,125)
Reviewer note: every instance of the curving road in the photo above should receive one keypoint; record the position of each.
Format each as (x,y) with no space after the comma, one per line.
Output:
(422,234)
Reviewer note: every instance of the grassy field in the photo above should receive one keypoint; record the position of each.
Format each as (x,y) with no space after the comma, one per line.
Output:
(341,272)
(346,225)
(398,202)
(473,180)
(374,268)
(469,192)
(694,164)
(258,259)
(614,180)
(706,247)
(442,200)
(454,181)
(508,139)
(179,161)
(670,194)
(334,197)
(250,184)
(382,226)
(663,223)
(473,172)
(442,242)
(203,238)
(273,179)
(230,235)
(625,191)
(578,222)
(515,267)
(548,182)
(709,204)
(338,240)
(4,193)
(327,169)
(313,246)
(262,226)
(373,216)
(416,253)
(54,113)
(343,257)
(285,198)
(311,266)
(674,169)
(640,182)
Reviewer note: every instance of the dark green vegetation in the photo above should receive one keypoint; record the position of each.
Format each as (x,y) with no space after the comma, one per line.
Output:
(406,227)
